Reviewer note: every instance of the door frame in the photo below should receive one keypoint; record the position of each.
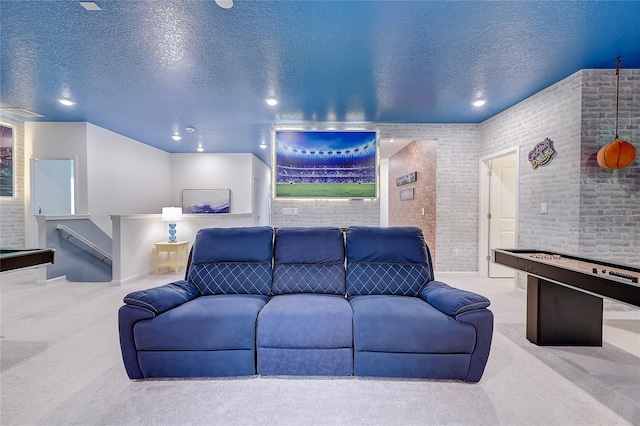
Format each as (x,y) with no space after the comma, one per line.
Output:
(31,223)
(483,221)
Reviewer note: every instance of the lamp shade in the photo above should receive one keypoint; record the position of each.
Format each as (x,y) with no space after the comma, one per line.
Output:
(171,214)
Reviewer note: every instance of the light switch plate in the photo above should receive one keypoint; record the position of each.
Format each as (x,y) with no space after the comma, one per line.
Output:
(543,208)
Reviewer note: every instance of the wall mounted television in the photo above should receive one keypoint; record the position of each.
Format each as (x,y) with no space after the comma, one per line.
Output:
(325,164)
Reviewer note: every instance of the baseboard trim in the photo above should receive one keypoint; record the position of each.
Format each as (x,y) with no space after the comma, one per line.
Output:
(131,278)
(467,273)
(61,278)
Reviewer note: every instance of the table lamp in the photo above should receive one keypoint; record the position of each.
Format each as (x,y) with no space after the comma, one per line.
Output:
(172,215)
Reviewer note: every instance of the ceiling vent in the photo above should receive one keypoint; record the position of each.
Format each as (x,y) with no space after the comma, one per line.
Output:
(90,5)
(25,113)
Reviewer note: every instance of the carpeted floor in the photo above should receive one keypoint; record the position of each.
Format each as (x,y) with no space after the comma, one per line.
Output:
(61,365)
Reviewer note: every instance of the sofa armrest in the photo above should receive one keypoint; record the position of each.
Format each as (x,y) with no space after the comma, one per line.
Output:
(482,321)
(128,316)
(451,301)
(160,299)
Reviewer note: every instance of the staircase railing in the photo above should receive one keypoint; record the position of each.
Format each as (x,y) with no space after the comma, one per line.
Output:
(79,241)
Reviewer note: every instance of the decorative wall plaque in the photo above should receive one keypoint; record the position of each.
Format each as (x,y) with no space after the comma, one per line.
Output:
(408,178)
(406,194)
(542,153)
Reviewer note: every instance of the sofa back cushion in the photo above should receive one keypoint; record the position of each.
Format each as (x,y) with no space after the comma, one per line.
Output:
(393,261)
(309,260)
(232,260)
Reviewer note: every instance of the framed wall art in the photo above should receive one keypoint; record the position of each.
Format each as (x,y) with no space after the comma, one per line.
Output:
(325,164)
(408,178)
(406,194)
(6,161)
(195,201)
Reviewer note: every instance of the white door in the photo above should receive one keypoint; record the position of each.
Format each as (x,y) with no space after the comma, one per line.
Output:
(52,187)
(502,210)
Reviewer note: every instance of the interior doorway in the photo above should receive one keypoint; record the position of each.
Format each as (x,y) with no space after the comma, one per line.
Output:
(498,210)
(52,187)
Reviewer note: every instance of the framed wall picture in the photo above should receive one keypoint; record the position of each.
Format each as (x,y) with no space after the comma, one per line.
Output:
(408,178)
(325,164)
(6,161)
(406,194)
(195,201)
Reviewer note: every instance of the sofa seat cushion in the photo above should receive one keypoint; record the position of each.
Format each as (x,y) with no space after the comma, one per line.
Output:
(404,324)
(305,321)
(205,323)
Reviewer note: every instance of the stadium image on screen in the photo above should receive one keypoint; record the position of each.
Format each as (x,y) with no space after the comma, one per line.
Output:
(330,164)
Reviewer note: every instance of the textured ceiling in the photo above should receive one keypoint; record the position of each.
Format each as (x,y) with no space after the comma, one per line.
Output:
(147,69)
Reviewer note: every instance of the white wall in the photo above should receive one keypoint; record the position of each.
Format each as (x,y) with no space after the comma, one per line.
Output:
(134,237)
(214,171)
(262,194)
(113,174)
(124,176)
(384,192)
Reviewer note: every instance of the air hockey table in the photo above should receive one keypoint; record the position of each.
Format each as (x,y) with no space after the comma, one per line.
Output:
(565,294)
(12,259)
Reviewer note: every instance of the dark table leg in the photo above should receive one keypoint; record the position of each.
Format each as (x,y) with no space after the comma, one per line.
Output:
(561,316)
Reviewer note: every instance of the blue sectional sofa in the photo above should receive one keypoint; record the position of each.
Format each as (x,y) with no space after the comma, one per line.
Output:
(307,301)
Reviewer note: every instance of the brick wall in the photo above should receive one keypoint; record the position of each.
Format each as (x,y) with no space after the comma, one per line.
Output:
(456,200)
(12,229)
(457,189)
(421,157)
(552,113)
(609,200)
(341,213)
(592,212)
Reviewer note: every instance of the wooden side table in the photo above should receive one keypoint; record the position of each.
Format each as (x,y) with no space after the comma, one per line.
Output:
(180,249)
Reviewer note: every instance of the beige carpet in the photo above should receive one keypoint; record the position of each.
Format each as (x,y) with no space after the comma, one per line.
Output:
(60,365)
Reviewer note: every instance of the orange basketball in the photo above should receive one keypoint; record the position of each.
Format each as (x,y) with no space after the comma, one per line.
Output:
(617,155)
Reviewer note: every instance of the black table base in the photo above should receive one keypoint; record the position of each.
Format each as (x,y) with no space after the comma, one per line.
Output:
(560,316)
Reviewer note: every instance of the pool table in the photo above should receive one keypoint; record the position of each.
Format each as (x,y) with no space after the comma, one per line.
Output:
(11,259)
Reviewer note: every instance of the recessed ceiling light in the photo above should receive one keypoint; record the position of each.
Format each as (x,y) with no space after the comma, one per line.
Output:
(479,103)
(271,102)
(225,4)
(263,145)
(90,5)
(176,137)
(190,129)
(66,102)
(200,148)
